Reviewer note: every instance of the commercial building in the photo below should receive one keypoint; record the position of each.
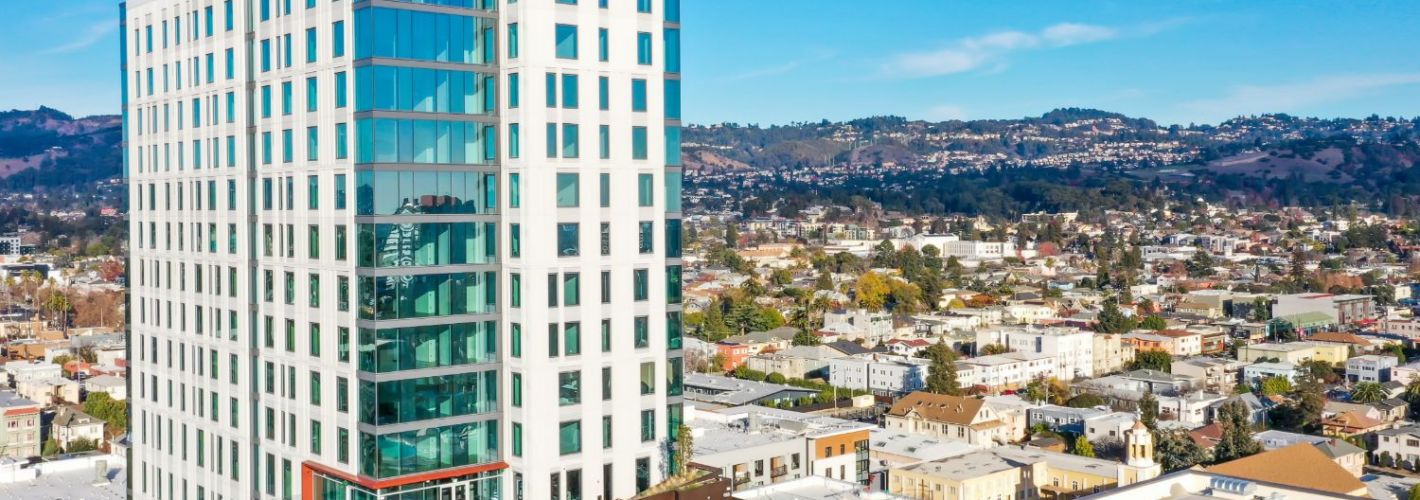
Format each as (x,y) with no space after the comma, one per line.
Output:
(381,247)
(757,446)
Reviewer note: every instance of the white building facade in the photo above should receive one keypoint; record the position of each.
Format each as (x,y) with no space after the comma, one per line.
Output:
(385,246)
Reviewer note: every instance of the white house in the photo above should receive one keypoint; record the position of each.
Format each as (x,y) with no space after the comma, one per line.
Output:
(70,424)
(1072,348)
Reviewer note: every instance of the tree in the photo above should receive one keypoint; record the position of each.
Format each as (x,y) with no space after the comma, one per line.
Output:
(684,449)
(1236,441)
(1083,447)
(1414,492)
(1367,392)
(804,337)
(775,378)
(1200,265)
(1048,389)
(1272,386)
(942,372)
(1112,320)
(1320,371)
(991,349)
(1149,410)
(871,291)
(1261,309)
(1175,450)
(112,411)
(1153,360)
(80,444)
(1085,400)
(1154,322)
(51,448)
(732,234)
(1397,351)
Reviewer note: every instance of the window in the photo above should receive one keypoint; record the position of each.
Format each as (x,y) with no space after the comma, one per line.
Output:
(606,330)
(513,41)
(640,278)
(515,240)
(603,45)
(646,237)
(515,332)
(604,189)
(672,99)
(603,93)
(638,143)
(643,48)
(570,139)
(648,425)
(604,141)
(643,6)
(342,141)
(567,188)
(513,90)
(566,40)
(552,340)
(645,186)
(570,437)
(569,91)
(514,141)
(337,39)
(310,45)
(517,439)
(312,144)
(567,239)
(569,388)
(551,90)
(606,238)
(571,290)
(311,94)
(641,332)
(672,42)
(552,140)
(638,94)
(340,94)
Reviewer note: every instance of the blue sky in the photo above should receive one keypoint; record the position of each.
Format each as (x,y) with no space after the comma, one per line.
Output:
(778,61)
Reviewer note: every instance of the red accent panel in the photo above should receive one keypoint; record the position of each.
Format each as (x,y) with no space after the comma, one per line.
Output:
(307,479)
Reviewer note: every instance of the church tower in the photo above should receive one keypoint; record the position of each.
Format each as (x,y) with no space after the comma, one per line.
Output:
(1139,464)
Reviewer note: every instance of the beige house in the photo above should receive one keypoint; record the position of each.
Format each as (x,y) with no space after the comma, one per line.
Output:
(954,418)
(1025,472)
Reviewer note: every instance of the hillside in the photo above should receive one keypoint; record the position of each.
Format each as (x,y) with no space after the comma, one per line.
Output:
(46,148)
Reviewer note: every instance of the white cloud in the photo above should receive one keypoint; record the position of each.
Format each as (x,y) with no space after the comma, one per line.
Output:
(1295,97)
(778,69)
(971,53)
(95,33)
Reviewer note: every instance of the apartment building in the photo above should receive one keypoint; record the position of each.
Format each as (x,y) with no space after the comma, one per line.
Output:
(758,446)
(350,277)
(1071,348)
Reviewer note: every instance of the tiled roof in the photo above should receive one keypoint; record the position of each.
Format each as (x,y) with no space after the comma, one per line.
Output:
(1282,465)
(938,407)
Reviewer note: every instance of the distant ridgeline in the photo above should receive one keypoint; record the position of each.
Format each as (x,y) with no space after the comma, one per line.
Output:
(46,148)
(1065,160)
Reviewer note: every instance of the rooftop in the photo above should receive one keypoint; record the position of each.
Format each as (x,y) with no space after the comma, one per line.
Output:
(1281,466)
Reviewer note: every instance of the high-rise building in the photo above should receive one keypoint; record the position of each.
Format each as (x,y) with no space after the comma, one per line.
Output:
(357,273)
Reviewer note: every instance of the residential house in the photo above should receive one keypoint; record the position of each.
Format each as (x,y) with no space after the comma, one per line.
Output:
(1002,372)
(19,426)
(1112,354)
(1062,419)
(70,424)
(722,390)
(1351,423)
(953,418)
(884,374)
(116,387)
(1072,349)
(1215,373)
(1400,443)
(756,446)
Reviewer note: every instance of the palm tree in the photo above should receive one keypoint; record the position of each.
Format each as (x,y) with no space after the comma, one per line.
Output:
(1367,392)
